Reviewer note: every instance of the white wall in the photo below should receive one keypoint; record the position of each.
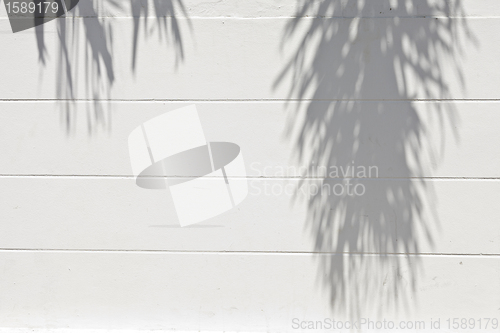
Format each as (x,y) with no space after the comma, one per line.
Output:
(410,87)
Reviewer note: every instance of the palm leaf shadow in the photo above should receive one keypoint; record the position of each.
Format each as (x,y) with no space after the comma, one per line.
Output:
(85,49)
(357,70)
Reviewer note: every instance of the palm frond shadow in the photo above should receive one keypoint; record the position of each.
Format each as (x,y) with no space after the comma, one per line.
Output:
(85,52)
(356,68)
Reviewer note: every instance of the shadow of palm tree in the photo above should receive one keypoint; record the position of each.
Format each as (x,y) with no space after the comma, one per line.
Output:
(85,48)
(166,13)
(358,68)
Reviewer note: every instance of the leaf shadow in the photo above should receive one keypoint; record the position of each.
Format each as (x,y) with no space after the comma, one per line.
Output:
(86,59)
(368,77)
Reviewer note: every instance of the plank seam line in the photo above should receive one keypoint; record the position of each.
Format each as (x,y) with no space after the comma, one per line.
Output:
(252,252)
(250,100)
(131,177)
(277,17)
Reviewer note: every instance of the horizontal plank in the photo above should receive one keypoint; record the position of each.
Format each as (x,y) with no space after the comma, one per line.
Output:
(228,58)
(420,139)
(381,216)
(284,8)
(227,292)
